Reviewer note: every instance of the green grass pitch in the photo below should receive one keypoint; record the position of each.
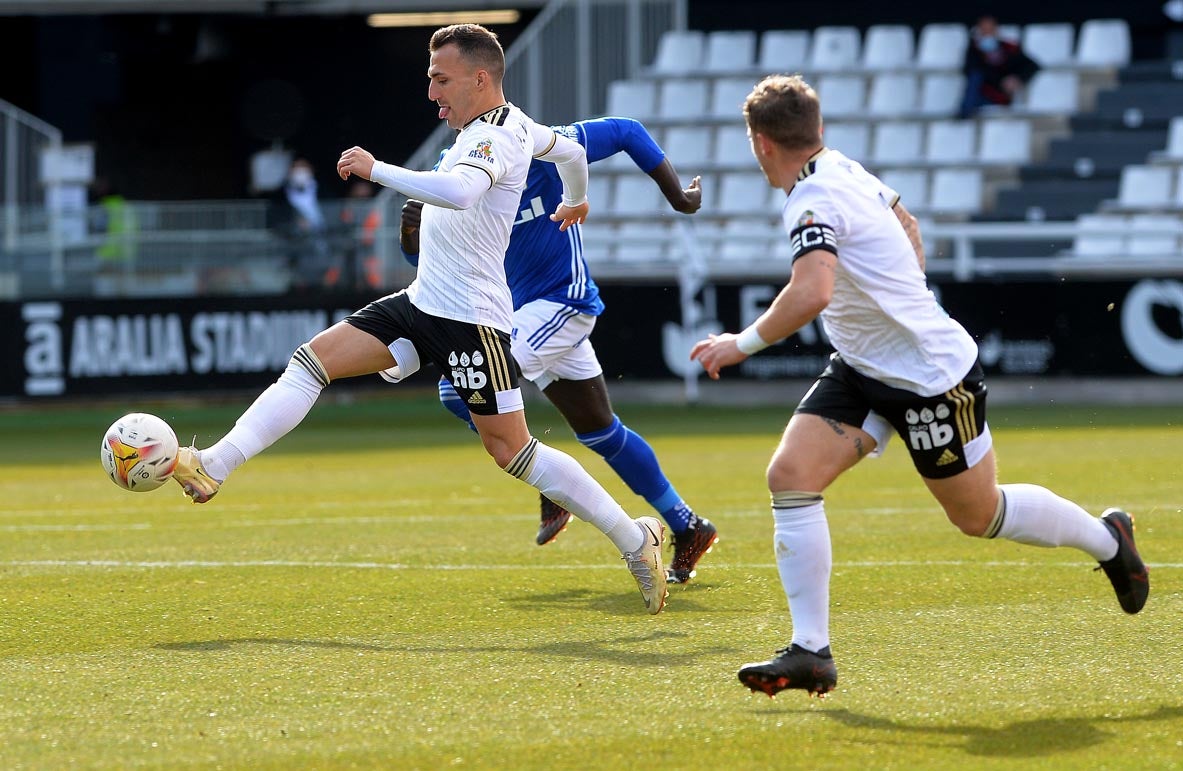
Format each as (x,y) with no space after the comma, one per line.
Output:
(367,594)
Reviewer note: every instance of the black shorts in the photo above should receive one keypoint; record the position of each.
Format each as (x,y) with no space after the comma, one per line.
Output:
(940,431)
(475,358)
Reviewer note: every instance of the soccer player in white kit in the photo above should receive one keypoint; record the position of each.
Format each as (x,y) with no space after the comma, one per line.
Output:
(901,363)
(458,312)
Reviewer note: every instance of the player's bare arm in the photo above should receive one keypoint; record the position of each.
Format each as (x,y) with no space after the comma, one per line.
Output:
(357,161)
(685,200)
(912,228)
(799,302)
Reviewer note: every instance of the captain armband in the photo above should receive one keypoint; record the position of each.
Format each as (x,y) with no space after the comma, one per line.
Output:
(815,235)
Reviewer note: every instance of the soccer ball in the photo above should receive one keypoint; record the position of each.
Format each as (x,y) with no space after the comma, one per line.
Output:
(139,452)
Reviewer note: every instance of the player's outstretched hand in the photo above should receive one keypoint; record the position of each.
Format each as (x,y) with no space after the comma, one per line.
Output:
(357,161)
(408,231)
(567,216)
(716,352)
(692,197)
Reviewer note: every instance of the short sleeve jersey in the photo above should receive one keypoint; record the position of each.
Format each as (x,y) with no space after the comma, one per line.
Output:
(461,260)
(882,317)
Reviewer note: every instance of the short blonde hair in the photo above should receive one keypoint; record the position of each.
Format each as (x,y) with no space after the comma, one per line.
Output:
(785,109)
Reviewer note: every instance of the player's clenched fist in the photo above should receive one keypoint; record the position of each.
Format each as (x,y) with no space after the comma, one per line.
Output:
(357,161)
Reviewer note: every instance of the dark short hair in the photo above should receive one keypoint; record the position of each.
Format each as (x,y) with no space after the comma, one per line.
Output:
(785,109)
(477,44)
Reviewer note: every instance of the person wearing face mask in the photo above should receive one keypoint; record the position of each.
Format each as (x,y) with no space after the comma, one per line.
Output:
(301,224)
(996,70)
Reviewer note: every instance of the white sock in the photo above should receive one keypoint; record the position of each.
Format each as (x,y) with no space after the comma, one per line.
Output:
(277,411)
(801,540)
(559,477)
(1036,516)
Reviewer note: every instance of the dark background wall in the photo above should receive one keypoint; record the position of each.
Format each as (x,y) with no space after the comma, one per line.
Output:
(176,104)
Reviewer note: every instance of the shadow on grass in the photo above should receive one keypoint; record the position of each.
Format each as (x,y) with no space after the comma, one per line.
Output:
(1021,739)
(681,599)
(201,646)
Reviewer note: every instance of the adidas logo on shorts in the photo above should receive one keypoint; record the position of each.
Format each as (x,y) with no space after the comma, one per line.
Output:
(476,398)
(946,458)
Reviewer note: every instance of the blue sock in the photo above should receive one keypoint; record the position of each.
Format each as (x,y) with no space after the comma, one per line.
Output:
(453,403)
(634,461)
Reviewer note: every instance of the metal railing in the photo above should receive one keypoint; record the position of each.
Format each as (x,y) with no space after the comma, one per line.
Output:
(23,138)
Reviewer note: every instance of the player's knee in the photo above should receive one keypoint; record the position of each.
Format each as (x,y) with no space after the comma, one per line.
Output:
(517,461)
(970,520)
(305,358)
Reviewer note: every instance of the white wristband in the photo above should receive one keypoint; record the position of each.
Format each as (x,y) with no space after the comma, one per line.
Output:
(749,341)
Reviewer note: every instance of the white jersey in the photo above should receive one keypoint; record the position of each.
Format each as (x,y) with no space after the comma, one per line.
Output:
(882,317)
(462,251)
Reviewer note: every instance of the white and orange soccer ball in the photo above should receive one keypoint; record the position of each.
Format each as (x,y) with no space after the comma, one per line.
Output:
(139,452)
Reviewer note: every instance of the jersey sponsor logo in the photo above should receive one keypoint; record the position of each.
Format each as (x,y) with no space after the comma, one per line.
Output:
(483,151)
(570,132)
(926,430)
(464,370)
(815,236)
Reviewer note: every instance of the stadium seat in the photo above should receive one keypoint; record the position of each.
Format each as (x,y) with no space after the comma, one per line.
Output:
(942,47)
(728,95)
(635,193)
(1154,235)
(897,143)
(911,185)
(784,50)
(730,51)
(599,191)
(951,142)
(682,99)
(1145,187)
(742,193)
(1005,141)
(688,147)
(941,93)
(598,238)
(1174,149)
(841,95)
(632,98)
(1104,43)
(745,240)
(1099,235)
(834,49)
(1050,44)
(888,47)
(733,148)
(1055,92)
(955,192)
(642,241)
(850,139)
(892,94)
(678,51)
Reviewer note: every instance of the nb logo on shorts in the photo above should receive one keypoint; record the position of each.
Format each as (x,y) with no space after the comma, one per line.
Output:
(924,432)
(464,375)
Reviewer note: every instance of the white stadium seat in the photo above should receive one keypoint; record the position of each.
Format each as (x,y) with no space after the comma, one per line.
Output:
(683,99)
(742,193)
(728,95)
(841,95)
(888,47)
(942,46)
(678,51)
(642,241)
(1055,92)
(1104,43)
(635,193)
(956,191)
(897,143)
(911,185)
(746,240)
(597,240)
(688,147)
(632,98)
(941,93)
(784,50)
(1099,235)
(850,139)
(1153,235)
(1175,139)
(732,147)
(951,142)
(599,191)
(1005,141)
(1049,44)
(730,51)
(1145,187)
(834,49)
(893,93)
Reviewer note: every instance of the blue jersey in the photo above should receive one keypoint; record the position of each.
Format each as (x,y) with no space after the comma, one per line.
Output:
(544,263)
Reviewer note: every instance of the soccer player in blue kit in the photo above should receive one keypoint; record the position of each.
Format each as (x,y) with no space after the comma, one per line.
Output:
(556,303)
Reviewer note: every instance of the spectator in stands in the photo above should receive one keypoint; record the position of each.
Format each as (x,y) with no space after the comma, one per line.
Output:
(298,220)
(901,363)
(556,304)
(996,70)
(361,218)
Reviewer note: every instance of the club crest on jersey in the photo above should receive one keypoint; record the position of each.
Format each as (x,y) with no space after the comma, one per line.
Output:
(806,218)
(483,150)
